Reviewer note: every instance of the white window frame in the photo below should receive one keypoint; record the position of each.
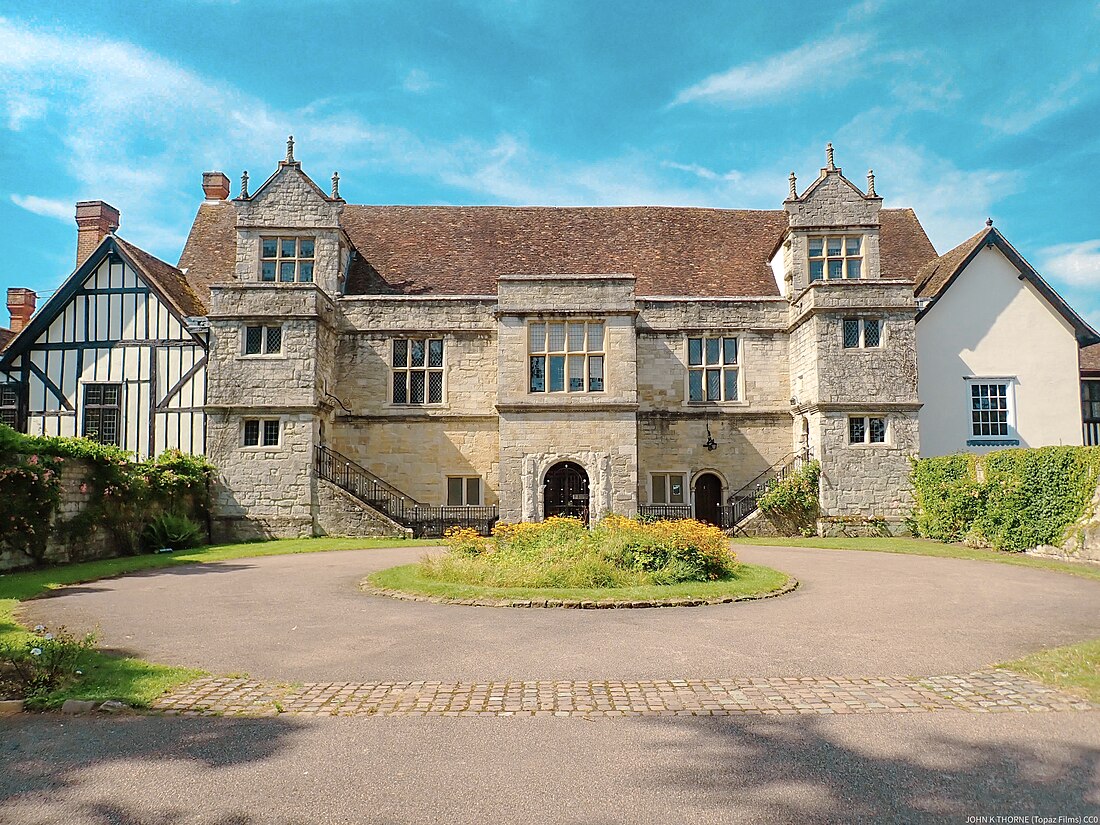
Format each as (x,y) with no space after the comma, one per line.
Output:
(570,355)
(465,479)
(428,371)
(843,257)
(862,344)
(887,430)
(262,422)
(297,260)
(1010,438)
(263,353)
(685,487)
(738,365)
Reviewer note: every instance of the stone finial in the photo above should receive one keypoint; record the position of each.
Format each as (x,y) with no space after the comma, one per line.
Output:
(336,186)
(244,184)
(989,221)
(794,186)
(871,184)
(290,149)
(829,164)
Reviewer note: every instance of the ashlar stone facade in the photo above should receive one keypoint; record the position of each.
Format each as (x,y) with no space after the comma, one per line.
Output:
(569,384)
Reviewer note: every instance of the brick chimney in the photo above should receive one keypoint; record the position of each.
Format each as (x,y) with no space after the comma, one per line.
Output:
(21,306)
(94,219)
(215,185)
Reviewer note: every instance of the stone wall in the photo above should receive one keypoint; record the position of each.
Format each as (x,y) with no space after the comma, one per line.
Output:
(341,514)
(62,546)
(675,443)
(604,443)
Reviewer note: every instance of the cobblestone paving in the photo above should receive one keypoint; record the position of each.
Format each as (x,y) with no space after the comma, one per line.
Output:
(985,691)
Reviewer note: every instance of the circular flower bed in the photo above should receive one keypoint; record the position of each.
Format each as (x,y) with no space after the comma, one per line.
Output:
(560,562)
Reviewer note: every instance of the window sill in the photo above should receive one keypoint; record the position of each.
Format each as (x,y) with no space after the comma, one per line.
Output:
(258,449)
(878,445)
(277,356)
(992,442)
(716,404)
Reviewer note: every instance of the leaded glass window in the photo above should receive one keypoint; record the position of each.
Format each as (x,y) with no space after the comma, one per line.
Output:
(263,340)
(262,432)
(102,413)
(9,405)
(417,365)
(713,369)
(861,333)
(565,356)
(866,429)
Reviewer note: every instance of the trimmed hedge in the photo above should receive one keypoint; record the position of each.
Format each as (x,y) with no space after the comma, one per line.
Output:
(1008,499)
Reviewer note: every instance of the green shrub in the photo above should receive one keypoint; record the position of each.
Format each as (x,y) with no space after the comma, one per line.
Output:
(173,531)
(1008,499)
(562,553)
(124,495)
(46,661)
(793,503)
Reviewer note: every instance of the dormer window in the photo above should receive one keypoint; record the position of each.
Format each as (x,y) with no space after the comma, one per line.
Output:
(836,257)
(287,260)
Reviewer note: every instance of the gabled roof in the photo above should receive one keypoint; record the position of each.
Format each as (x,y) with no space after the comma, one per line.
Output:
(1090,361)
(165,280)
(936,277)
(462,250)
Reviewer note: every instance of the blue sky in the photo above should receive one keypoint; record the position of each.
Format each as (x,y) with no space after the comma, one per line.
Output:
(963,110)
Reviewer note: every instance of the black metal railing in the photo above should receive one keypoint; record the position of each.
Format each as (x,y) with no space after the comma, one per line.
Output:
(664,511)
(743,503)
(424,520)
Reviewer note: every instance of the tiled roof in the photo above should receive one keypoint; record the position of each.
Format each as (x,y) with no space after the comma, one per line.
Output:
(164,276)
(936,274)
(5,336)
(456,250)
(935,278)
(211,248)
(1090,359)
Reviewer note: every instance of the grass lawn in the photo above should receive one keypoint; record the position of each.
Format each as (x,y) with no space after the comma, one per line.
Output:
(750,579)
(1074,668)
(927,547)
(133,681)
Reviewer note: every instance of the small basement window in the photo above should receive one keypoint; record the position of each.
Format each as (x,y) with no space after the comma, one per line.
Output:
(463,491)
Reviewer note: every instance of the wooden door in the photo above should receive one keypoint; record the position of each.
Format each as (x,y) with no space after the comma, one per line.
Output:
(708,496)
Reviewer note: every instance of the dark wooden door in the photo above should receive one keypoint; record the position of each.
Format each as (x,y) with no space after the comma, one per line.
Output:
(565,491)
(708,496)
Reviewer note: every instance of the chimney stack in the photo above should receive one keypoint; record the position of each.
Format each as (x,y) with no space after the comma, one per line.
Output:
(94,220)
(215,185)
(21,306)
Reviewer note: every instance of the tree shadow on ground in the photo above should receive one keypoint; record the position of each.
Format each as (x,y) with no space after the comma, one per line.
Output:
(43,756)
(881,768)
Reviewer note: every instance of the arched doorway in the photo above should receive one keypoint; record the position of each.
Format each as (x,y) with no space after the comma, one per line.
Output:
(708,497)
(565,491)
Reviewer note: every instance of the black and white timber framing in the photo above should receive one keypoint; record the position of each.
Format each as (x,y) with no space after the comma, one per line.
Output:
(111,323)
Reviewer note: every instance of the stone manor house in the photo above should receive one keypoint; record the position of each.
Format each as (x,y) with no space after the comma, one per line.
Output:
(370,369)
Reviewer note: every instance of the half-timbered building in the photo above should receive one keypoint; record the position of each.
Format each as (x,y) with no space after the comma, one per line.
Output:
(117,353)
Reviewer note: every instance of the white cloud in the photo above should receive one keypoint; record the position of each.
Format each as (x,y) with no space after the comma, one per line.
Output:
(829,61)
(47,207)
(417,81)
(1076,264)
(1030,109)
